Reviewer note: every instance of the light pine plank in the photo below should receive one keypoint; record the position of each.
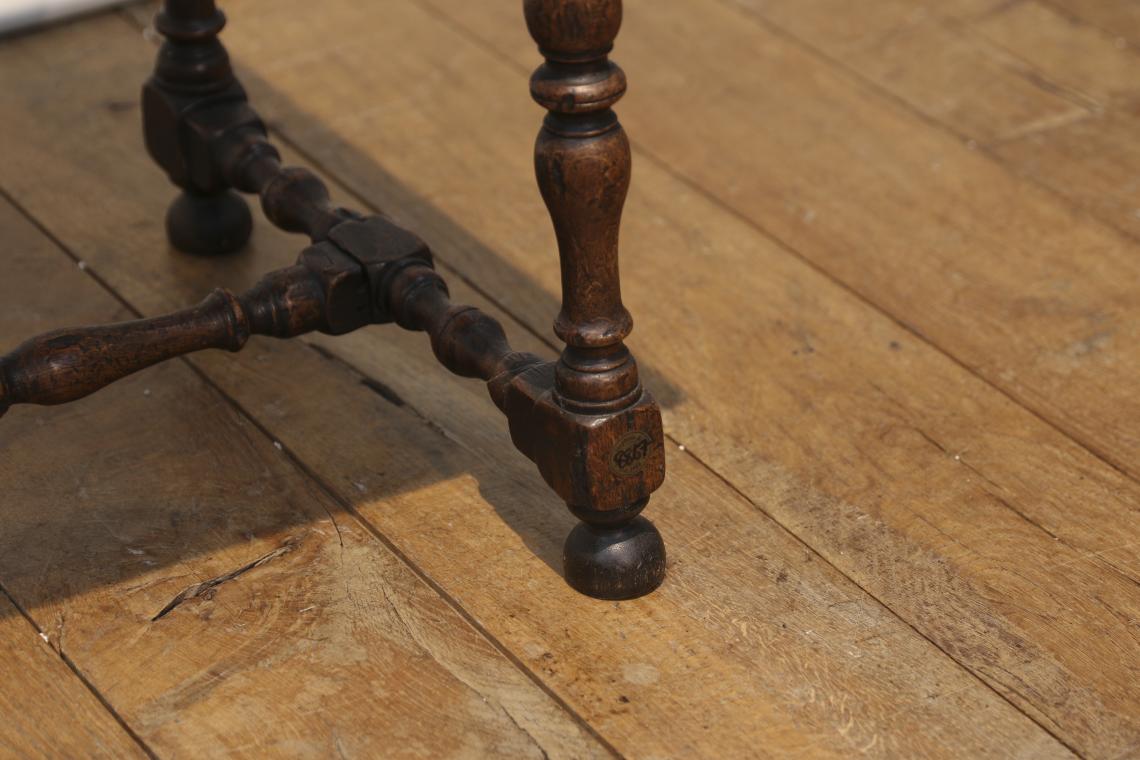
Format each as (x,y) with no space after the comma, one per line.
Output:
(997,537)
(47,710)
(299,634)
(755,646)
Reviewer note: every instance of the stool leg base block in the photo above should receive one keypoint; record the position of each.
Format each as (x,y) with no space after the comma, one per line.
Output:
(615,562)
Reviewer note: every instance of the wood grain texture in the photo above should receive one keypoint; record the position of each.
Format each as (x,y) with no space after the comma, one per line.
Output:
(703,666)
(1009,279)
(996,536)
(931,57)
(216,597)
(973,58)
(1052,77)
(755,645)
(1116,17)
(1094,161)
(1084,63)
(1029,81)
(48,712)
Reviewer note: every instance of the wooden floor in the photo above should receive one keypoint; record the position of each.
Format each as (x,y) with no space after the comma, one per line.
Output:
(884,264)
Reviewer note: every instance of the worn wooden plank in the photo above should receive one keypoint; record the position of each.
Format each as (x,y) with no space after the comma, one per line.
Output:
(928,55)
(1029,80)
(921,52)
(1090,46)
(997,537)
(755,645)
(754,642)
(964,83)
(48,712)
(1120,18)
(1094,162)
(1063,53)
(212,594)
(1006,277)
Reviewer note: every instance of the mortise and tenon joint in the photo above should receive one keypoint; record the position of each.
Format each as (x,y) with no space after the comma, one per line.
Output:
(585,420)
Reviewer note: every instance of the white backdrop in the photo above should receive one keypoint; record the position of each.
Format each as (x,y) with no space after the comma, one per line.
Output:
(20,14)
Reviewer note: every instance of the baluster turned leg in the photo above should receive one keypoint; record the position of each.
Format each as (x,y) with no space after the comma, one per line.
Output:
(582,161)
(193,72)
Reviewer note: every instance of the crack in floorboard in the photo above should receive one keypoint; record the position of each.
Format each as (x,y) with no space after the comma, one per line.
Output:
(198,589)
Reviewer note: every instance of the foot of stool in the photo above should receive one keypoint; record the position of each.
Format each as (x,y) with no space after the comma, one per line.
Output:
(615,561)
(209,225)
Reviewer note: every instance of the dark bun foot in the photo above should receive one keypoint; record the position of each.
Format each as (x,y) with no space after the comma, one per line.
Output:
(615,562)
(209,225)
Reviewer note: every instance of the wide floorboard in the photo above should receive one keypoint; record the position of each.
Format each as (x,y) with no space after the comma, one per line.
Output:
(883,263)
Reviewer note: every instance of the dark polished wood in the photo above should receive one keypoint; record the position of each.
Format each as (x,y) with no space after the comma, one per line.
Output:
(582,162)
(330,289)
(585,420)
(192,76)
(66,365)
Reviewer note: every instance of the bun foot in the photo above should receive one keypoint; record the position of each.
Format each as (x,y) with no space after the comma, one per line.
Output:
(209,225)
(615,561)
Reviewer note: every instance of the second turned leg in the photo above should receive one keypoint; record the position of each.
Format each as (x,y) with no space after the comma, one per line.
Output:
(192,73)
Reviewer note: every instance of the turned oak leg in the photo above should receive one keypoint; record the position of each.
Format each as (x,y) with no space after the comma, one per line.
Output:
(193,73)
(582,162)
